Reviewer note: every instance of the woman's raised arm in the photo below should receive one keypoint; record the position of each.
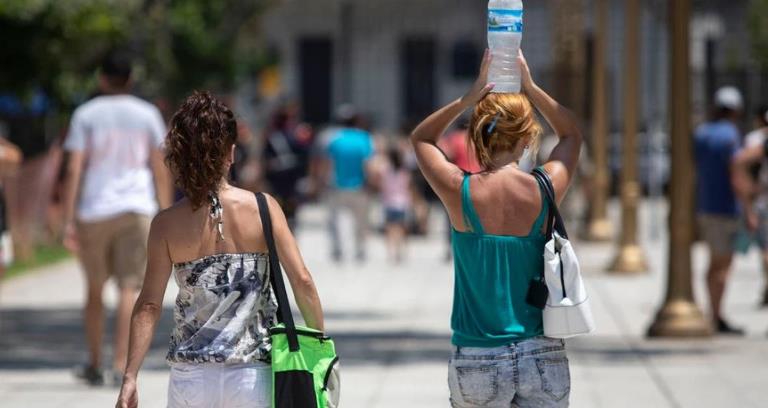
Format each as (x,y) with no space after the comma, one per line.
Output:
(562,162)
(444,176)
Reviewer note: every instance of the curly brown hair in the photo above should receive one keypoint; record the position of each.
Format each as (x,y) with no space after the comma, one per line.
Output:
(199,142)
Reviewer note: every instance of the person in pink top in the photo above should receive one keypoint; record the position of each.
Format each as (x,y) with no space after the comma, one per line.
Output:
(455,145)
(396,199)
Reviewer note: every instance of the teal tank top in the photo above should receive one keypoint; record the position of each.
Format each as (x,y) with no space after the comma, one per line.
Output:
(492,275)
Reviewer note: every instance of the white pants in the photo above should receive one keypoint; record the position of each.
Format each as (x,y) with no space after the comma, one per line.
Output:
(220,386)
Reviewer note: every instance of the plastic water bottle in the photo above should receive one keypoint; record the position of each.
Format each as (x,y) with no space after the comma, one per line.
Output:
(505,32)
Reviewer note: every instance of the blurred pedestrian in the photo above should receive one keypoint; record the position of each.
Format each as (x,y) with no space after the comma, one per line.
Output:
(242,173)
(759,132)
(213,243)
(396,199)
(753,191)
(286,157)
(498,217)
(10,160)
(456,145)
(423,195)
(715,143)
(116,181)
(344,154)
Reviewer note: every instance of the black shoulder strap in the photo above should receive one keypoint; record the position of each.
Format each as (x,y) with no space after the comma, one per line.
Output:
(555,221)
(276,275)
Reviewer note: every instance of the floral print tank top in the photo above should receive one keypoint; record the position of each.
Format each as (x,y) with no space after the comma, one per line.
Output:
(224,310)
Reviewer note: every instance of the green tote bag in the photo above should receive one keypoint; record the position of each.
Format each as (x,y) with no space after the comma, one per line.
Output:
(305,367)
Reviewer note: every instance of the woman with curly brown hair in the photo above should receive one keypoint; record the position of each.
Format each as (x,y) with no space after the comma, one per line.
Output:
(213,243)
(501,358)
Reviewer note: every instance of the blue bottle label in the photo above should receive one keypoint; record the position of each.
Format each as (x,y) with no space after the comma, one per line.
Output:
(508,21)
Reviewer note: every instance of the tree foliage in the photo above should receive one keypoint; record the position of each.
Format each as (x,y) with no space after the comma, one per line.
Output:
(758,26)
(179,45)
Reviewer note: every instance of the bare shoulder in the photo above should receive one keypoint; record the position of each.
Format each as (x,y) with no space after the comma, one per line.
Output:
(247,198)
(273,205)
(243,204)
(561,177)
(526,189)
(244,200)
(516,185)
(164,221)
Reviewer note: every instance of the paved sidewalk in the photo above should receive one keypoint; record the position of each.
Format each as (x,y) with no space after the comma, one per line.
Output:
(391,326)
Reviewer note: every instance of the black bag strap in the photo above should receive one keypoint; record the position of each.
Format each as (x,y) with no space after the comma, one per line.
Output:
(555,220)
(284,315)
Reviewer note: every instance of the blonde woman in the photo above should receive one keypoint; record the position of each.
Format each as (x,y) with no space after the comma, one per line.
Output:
(501,358)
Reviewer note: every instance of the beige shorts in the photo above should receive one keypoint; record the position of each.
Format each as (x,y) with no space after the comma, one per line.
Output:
(116,247)
(719,232)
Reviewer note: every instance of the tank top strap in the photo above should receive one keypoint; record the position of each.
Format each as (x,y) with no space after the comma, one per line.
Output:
(539,223)
(471,218)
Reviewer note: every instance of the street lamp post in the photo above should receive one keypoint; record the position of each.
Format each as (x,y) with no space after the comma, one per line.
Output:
(600,228)
(679,316)
(630,258)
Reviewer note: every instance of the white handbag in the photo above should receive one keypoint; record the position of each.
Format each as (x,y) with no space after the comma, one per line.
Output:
(567,312)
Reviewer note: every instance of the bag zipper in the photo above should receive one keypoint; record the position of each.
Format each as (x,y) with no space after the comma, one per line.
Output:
(329,372)
(318,335)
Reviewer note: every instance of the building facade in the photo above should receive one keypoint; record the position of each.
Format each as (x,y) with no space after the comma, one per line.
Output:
(397,60)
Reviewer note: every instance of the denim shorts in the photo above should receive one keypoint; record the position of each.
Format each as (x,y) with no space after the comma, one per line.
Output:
(532,373)
(220,386)
(394,216)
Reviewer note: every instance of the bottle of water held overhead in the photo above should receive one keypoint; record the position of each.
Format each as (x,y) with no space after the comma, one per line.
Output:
(505,32)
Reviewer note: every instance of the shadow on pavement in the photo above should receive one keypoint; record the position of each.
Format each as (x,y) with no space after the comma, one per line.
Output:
(613,350)
(386,348)
(53,338)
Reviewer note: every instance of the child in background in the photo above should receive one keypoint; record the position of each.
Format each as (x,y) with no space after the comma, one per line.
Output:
(396,199)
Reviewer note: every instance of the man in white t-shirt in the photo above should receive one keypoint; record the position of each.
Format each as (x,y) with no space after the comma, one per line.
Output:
(116,181)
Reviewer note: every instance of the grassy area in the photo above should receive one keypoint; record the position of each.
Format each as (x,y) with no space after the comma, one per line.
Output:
(43,255)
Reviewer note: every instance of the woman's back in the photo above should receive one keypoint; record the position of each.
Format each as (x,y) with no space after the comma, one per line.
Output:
(225,304)
(498,243)
(213,244)
(192,234)
(496,257)
(507,202)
